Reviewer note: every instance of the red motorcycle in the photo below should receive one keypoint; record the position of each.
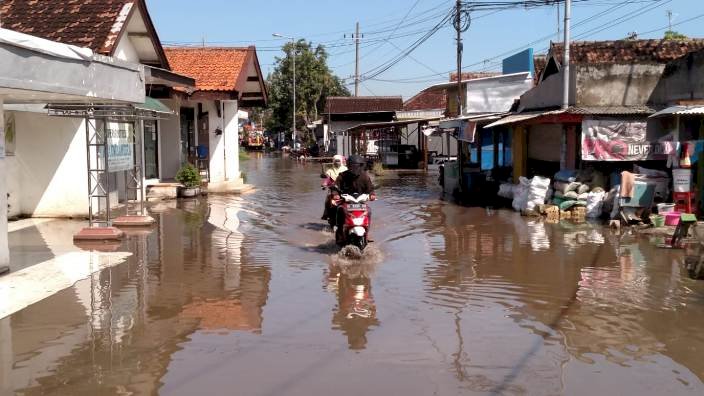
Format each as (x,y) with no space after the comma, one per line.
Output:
(355,228)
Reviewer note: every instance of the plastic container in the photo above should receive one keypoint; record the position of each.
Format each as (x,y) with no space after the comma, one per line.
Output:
(672,218)
(665,207)
(657,220)
(681,180)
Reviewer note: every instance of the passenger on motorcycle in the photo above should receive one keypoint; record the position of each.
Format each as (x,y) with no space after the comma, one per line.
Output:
(331,176)
(354,180)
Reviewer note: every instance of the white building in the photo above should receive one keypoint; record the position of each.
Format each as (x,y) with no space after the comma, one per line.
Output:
(226,80)
(46,156)
(40,71)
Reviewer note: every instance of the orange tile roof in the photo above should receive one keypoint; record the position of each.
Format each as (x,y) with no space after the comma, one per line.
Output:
(94,24)
(213,68)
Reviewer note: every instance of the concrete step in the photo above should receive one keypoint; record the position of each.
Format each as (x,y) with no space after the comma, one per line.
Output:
(161,191)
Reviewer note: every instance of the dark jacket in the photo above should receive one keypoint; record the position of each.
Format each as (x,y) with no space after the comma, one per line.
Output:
(349,183)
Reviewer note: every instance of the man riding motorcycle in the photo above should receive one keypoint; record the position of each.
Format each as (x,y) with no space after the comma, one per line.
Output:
(354,180)
(331,176)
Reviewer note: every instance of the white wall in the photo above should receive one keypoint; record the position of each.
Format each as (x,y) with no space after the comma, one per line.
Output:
(125,51)
(48,175)
(170,141)
(232,141)
(4,248)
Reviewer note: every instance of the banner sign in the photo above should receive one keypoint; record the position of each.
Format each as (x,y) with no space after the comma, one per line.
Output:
(619,140)
(120,156)
(466,132)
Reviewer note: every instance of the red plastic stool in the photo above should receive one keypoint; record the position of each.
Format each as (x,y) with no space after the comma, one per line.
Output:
(683,201)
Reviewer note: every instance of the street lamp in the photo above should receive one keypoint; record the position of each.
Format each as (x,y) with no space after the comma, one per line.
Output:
(293,56)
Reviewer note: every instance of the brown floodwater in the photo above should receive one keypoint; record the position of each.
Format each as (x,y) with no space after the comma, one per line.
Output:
(246,295)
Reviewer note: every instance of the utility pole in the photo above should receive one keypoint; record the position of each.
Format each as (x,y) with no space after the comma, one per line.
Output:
(566,57)
(356,38)
(294,44)
(458,27)
(559,21)
(669,19)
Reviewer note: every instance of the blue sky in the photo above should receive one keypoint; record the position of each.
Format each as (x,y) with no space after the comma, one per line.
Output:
(390,26)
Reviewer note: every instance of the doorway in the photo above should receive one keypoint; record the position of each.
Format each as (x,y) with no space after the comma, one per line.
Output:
(188,135)
(151,149)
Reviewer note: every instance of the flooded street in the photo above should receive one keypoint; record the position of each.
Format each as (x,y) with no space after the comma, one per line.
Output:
(246,295)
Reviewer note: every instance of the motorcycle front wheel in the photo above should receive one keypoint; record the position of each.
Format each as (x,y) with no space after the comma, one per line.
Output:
(359,241)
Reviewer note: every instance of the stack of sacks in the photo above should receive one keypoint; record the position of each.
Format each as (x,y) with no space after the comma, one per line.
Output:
(506,190)
(520,194)
(583,188)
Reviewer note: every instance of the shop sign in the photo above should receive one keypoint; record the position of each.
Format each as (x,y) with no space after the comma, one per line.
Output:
(120,156)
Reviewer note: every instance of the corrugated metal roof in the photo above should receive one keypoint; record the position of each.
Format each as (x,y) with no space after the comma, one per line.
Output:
(680,110)
(514,118)
(611,110)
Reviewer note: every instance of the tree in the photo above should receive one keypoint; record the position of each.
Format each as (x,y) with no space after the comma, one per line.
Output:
(314,83)
(673,35)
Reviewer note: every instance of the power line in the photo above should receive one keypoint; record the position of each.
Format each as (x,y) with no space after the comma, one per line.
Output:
(616,6)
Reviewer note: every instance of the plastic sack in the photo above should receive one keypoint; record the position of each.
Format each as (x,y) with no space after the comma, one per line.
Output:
(595,203)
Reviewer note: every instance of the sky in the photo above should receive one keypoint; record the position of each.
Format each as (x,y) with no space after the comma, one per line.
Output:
(389,27)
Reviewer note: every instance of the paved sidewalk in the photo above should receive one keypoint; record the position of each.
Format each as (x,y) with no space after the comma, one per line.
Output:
(44,261)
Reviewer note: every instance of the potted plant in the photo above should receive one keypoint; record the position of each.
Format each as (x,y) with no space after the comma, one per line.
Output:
(189,177)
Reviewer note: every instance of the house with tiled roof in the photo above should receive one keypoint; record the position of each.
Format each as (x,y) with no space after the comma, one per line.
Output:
(612,86)
(48,151)
(344,112)
(226,80)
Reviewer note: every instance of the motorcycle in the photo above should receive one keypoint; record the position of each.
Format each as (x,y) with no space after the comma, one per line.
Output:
(355,227)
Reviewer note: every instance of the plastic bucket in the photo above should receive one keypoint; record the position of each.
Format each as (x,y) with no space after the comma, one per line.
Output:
(665,207)
(657,220)
(672,218)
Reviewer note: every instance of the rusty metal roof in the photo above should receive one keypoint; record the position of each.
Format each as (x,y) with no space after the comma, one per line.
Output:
(363,104)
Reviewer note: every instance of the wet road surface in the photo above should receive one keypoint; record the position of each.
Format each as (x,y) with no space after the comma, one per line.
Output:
(246,295)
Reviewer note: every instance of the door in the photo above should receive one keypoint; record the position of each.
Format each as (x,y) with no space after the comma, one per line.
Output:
(187,133)
(151,150)
(203,128)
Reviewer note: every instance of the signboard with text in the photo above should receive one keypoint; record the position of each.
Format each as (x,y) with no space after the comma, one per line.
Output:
(619,140)
(119,139)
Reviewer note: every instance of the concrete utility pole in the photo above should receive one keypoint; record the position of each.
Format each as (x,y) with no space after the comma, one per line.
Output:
(356,60)
(293,59)
(566,57)
(458,27)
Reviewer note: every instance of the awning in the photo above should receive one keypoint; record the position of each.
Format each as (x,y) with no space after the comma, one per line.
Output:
(515,118)
(680,110)
(158,76)
(154,105)
(388,124)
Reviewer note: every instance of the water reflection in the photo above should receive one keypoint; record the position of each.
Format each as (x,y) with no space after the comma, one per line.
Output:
(355,313)
(127,321)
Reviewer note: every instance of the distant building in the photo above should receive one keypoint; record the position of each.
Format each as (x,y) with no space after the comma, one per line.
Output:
(342,113)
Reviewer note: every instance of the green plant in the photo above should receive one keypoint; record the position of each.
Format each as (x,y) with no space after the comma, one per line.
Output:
(673,35)
(189,176)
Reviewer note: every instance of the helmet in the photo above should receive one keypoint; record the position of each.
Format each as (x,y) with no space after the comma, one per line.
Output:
(356,159)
